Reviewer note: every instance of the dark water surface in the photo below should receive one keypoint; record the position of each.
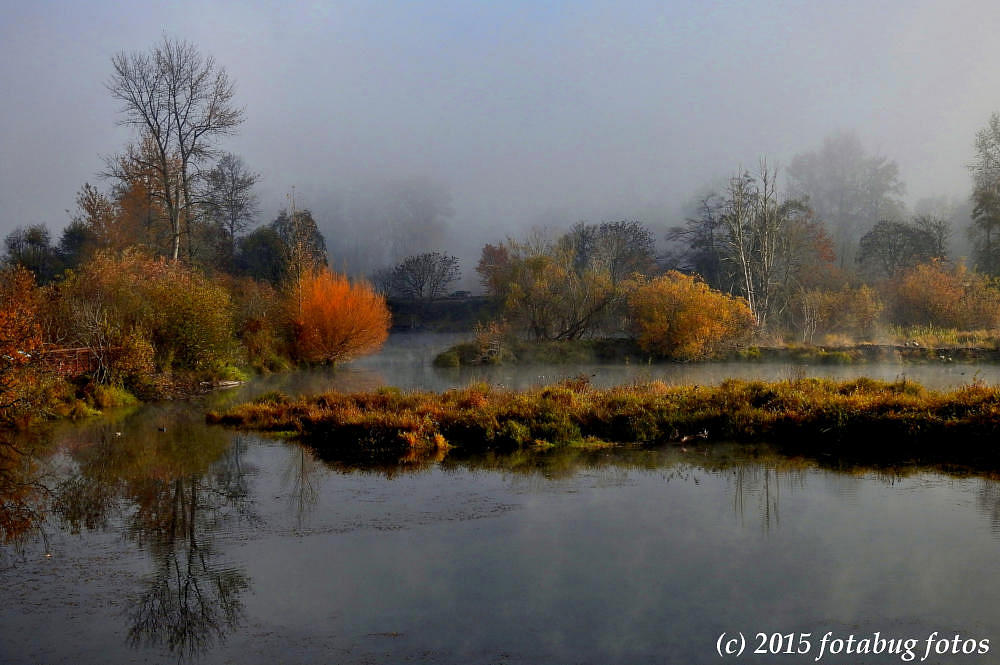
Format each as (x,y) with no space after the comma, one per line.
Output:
(197,544)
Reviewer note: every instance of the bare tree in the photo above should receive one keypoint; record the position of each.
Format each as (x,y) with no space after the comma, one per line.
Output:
(624,248)
(424,277)
(986,197)
(229,199)
(180,102)
(756,238)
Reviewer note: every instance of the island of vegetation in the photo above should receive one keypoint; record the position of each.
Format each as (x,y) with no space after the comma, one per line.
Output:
(863,417)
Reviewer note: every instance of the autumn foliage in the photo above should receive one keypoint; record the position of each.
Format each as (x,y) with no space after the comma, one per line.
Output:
(335,320)
(846,311)
(20,335)
(679,316)
(19,332)
(937,294)
(136,314)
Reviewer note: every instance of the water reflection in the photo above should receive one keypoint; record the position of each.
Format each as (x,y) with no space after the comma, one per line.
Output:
(23,497)
(170,489)
(190,499)
(300,479)
(191,599)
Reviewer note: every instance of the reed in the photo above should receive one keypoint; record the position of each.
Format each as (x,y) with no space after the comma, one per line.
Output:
(809,414)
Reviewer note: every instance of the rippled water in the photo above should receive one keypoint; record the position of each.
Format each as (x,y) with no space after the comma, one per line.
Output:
(197,544)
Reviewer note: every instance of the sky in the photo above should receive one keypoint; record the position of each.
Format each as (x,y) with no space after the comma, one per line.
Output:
(526,112)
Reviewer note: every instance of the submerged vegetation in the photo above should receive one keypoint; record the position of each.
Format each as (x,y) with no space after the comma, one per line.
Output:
(891,419)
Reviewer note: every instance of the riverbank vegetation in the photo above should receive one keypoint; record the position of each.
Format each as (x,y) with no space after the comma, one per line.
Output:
(894,419)
(158,287)
(161,284)
(126,325)
(753,268)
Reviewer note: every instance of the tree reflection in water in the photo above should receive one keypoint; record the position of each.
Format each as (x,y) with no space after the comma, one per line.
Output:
(23,498)
(176,495)
(191,599)
(300,482)
(173,493)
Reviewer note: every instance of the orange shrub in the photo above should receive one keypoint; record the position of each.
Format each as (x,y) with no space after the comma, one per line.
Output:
(20,334)
(20,339)
(935,294)
(336,320)
(678,316)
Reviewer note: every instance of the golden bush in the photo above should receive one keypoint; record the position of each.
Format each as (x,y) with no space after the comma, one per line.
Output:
(679,316)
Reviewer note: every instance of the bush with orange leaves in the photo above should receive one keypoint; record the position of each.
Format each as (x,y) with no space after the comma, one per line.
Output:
(937,294)
(20,336)
(679,316)
(334,320)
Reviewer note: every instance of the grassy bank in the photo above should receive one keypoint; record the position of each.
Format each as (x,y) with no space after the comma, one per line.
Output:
(521,352)
(895,420)
(627,351)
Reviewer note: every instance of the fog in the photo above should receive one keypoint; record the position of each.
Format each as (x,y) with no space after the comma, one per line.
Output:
(511,114)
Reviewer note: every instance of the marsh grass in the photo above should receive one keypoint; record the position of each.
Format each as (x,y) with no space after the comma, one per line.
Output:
(898,419)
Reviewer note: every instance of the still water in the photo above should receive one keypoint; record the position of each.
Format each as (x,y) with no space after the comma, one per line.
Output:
(124,543)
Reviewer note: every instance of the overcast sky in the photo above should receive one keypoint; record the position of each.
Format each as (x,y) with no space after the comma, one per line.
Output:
(525,111)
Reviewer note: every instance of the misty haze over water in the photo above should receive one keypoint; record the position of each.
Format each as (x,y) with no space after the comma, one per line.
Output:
(448,125)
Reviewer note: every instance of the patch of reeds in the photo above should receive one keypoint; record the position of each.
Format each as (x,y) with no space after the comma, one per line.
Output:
(861,415)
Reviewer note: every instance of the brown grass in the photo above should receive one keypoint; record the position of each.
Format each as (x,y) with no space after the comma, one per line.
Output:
(863,415)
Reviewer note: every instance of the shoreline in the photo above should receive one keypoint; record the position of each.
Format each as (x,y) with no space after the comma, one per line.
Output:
(626,351)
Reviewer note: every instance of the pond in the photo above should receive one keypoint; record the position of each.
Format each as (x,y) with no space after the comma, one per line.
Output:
(125,543)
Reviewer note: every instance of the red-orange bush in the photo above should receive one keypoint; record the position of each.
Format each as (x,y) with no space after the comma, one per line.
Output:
(678,316)
(335,320)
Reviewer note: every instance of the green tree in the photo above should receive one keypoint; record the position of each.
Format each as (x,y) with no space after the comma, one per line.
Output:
(31,247)
(262,255)
(304,246)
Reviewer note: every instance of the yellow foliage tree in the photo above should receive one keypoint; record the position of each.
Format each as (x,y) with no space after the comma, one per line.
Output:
(336,320)
(679,316)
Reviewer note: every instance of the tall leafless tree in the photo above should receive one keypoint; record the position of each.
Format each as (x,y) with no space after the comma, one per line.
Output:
(756,239)
(229,199)
(180,102)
